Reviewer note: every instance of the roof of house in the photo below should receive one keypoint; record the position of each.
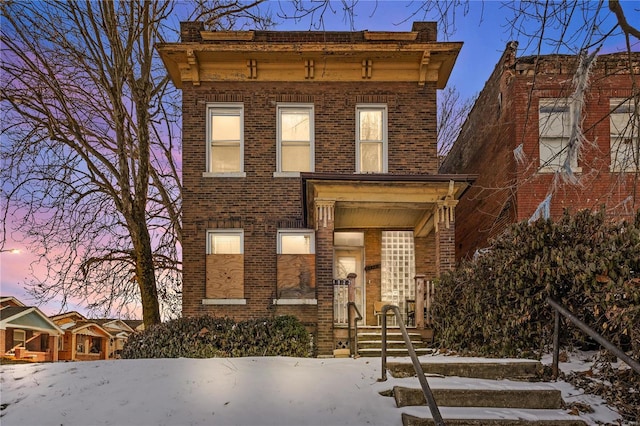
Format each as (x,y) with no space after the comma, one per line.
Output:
(28,318)
(10,300)
(410,56)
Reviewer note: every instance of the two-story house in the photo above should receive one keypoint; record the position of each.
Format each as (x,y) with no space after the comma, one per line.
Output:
(516,139)
(309,156)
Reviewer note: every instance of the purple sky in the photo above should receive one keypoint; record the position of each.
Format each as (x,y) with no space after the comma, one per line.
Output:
(484,31)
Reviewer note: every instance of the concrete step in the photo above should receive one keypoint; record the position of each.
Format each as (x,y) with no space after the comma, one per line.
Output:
(507,418)
(504,398)
(391,344)
(393,352)
(507,369)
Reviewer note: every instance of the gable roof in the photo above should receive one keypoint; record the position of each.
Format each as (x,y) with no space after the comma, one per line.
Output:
(28,318)
(10,301)
(117,325)
(88,328)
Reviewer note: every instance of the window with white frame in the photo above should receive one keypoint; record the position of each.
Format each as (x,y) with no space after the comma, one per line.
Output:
(624,136)
(295,133)
(225,139)
(371,139)
(19,338)
(296,242)
(226,242)
(225,266)
(554,124)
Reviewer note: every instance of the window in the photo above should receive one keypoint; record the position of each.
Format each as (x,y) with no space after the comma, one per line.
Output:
(226,242)
(295,139)
(398,268)
(625,149)
(296,242)
(554,126)
(225,267)
(296,266)
(371,139)
(225,136)
(19,338)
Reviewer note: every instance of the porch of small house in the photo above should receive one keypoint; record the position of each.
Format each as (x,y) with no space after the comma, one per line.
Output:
(354,338)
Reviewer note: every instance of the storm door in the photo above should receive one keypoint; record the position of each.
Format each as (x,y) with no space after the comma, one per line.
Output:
(348,261)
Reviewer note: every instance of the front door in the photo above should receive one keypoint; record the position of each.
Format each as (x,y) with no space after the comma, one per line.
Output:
(349,261)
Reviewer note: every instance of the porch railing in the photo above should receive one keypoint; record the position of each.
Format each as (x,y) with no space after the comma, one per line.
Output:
(426,390)
(340,300)
(559,309)
(352,309)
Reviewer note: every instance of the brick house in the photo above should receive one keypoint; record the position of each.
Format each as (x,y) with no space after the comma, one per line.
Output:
(26,332)
(309,156)
(515,140)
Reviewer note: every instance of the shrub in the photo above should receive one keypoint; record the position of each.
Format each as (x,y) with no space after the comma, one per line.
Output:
(496,304)
(207,337)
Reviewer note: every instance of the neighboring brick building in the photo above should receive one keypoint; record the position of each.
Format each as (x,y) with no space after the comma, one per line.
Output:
(308,156)
(515,140)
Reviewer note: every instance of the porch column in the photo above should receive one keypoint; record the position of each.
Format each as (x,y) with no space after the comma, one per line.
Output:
(324,221)
(445,235)
(53,347)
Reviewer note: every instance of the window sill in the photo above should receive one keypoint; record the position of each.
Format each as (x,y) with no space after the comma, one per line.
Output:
(224,301)
(295,301)
(554,170)
(626,170)
(224,175)
(286,174)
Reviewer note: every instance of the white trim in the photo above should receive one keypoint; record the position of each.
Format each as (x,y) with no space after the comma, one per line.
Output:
(225,231)
(224,175)
(308,107)
(385,135)
(212,106)
(224,301)
(548,169)
(286,174)
(295,301)
(310,232)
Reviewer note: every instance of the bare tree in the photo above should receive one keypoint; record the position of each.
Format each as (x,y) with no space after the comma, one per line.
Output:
(452,112)
(91,149)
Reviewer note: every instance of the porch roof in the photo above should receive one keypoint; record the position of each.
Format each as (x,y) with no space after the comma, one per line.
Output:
(27,318)
(382,200)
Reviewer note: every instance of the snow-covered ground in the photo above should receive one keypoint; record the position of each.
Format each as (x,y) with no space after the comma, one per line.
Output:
(222,391)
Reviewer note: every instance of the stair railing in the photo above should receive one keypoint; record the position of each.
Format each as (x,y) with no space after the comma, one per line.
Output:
(426,390)
(559,309)
(353,342)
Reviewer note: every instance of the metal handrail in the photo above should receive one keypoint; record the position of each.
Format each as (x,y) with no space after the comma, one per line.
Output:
(559,309)
(428,395)
(353,343)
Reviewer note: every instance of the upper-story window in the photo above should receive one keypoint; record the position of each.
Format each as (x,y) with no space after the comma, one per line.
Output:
(371,139)
(624,135)
(225,139)
(554,123)
(295,149)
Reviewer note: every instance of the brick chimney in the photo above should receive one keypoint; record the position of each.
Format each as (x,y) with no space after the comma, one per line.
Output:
(190,31)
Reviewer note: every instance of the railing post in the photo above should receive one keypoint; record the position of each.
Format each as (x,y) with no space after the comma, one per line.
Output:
(419,302)
(351,299)
(383,352)
(556,343)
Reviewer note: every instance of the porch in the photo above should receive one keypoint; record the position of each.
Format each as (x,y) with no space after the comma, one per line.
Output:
(355,339)
(395,233)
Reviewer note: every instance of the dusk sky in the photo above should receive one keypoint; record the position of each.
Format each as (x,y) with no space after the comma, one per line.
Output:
(484,31)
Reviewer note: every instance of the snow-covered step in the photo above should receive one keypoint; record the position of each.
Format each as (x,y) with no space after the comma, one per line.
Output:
(499,369)
(493,417)
(536,398)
